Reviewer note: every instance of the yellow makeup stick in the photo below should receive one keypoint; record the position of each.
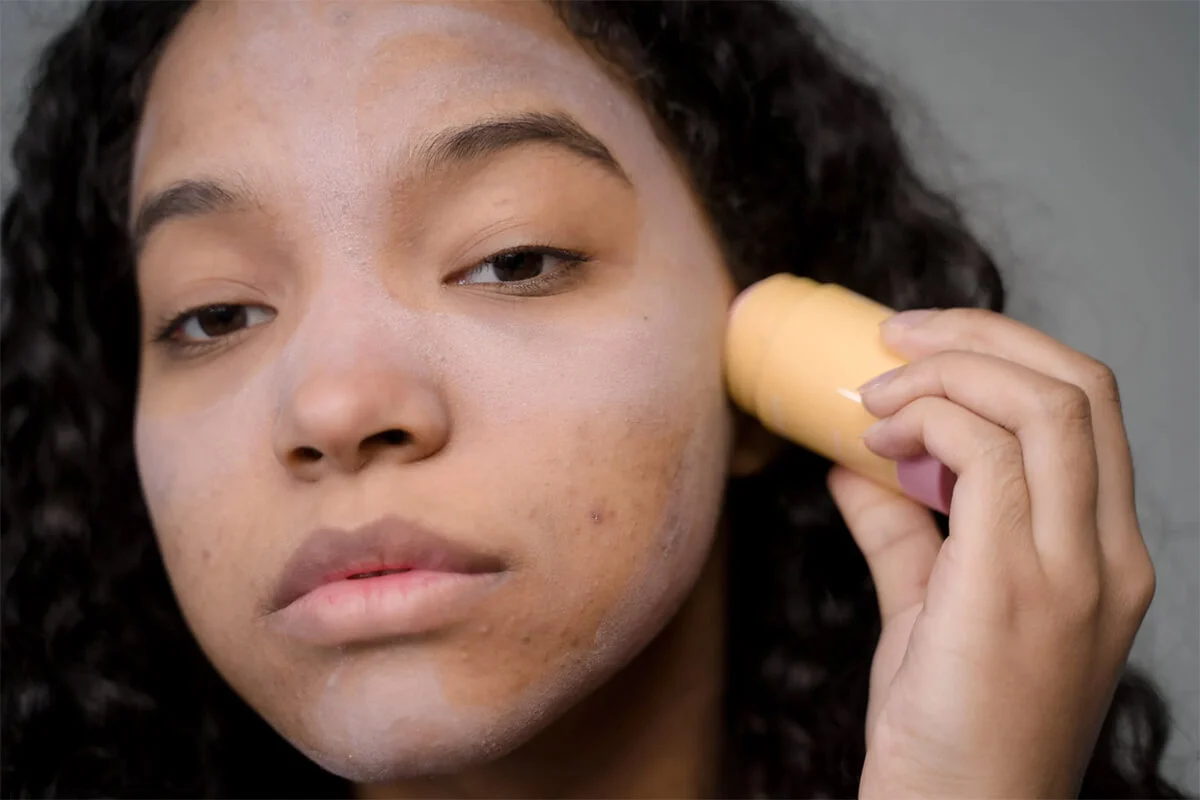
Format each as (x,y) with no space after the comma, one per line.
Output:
(795,352)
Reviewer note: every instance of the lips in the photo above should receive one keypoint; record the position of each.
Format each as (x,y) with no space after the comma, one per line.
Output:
(386,547)
(376,574)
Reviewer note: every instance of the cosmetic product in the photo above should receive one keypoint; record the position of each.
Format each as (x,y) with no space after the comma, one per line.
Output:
(796,352)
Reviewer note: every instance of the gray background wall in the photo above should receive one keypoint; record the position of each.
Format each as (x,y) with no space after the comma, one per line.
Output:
(1072,132)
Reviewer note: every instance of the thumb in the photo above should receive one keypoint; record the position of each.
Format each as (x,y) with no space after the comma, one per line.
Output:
(897,536)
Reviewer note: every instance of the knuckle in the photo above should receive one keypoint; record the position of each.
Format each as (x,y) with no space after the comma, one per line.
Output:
(1141,582)
(1099,382)
(1002,453)
(1067,403)
(1003,469)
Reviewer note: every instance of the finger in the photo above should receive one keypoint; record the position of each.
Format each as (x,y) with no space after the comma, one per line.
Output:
(983,331)
(1050,418)
(989,515)
(897,537)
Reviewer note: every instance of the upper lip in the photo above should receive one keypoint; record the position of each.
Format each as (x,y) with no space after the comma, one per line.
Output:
(331,554)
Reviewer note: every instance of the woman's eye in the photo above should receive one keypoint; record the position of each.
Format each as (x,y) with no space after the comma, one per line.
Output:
(530,266)
(200,326)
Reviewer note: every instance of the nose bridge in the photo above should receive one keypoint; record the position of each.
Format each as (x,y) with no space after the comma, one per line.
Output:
(353,320)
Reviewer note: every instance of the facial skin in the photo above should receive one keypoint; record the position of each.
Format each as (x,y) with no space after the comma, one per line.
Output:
(580,434)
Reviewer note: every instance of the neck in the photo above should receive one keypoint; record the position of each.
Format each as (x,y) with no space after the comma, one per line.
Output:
(653,730)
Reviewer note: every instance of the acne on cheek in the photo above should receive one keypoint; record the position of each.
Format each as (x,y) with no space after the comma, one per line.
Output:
(619,565)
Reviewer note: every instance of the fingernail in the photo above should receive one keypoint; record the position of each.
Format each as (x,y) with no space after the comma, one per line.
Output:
(909,319)
(928,481)
(880,381)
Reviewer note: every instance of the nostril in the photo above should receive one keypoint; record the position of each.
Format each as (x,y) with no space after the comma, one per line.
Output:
(308,454)
(311,455)
(392,436)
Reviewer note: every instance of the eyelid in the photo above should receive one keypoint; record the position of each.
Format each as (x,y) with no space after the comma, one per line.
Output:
(166,329)
(537,286)
(533,249)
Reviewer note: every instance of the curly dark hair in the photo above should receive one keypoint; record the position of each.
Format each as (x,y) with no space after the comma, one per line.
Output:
(792,149)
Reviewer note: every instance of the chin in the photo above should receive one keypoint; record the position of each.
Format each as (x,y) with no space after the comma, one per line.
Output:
(406,731)
(380,725)
(410,759)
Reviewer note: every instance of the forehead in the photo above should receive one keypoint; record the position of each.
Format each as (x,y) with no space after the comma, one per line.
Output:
(329,89)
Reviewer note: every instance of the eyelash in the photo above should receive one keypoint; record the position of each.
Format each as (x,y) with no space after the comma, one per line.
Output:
(171,324)
(541,285)
(532,287)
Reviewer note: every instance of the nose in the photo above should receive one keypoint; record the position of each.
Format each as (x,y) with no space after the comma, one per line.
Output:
(340,420)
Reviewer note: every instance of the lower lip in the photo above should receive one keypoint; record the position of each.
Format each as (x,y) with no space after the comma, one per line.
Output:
(400,604)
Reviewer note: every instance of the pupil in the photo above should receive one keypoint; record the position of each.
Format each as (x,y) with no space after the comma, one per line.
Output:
(218,320)
(518,266)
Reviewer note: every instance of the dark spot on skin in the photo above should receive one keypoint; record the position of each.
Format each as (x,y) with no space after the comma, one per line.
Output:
(343,16)
(602,513)
(206,555)
(535,512)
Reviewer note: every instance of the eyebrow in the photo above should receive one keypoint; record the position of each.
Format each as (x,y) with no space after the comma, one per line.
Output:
(456,146)
(188,198)
(490,136)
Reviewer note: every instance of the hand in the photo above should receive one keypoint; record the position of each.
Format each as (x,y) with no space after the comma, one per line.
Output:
(1001,646)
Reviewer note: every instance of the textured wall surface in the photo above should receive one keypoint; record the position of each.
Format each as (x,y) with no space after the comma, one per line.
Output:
(1072,131)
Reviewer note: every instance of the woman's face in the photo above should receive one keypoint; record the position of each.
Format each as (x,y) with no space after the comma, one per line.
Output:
(541,439)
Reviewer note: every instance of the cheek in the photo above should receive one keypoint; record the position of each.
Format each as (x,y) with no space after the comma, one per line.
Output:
(611,549)
(607,464)
(646,546)
(200,486)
